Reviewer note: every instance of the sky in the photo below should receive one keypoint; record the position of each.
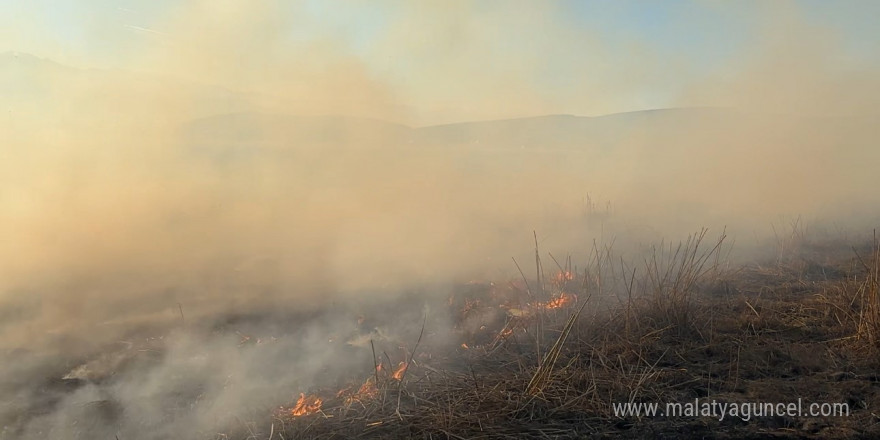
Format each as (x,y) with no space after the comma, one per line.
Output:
(441,61)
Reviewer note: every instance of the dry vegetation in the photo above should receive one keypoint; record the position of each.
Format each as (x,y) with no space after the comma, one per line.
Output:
(546,355)
(677,326)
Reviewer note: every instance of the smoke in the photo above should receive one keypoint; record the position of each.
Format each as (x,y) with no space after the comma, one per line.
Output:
(252,170)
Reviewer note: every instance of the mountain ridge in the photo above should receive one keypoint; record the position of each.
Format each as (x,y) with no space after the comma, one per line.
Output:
(23,60)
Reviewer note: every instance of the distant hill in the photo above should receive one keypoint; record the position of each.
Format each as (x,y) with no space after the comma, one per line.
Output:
(565,131)
(266,129)
(214,117)
(550,132)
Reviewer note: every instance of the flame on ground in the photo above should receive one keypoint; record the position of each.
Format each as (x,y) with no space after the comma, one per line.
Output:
(343,392)
(367,391)
(563,276)
(398,373)
(563,300)
(306,405)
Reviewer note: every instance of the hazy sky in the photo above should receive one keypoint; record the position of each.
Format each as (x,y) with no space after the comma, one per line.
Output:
(442,60)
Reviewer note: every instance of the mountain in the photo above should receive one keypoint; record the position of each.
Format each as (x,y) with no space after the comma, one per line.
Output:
(544,133)
(268,129)
(213,117)
(565,131)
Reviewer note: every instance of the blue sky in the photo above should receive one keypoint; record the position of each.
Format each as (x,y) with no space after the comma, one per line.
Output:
(710,30)
(680,42)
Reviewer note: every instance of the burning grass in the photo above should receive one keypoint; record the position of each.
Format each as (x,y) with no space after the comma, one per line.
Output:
(548,356)
(306,405)
(685,329)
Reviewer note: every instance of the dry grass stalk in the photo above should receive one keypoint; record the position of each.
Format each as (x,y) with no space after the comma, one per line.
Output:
(774,326)
(869,316)
(545,368)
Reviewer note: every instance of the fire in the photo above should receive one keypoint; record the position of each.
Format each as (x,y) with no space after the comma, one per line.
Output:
(398,373)
(306,405)
(563,300)
(563,276)
(367,391)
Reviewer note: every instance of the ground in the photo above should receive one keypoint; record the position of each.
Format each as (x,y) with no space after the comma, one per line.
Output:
(799,326)
(516,358)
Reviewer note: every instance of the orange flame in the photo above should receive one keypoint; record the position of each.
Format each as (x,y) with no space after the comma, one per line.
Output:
(398,373)
(343,391)
(564,299)
(367,391)
(563,276)
(306,405)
